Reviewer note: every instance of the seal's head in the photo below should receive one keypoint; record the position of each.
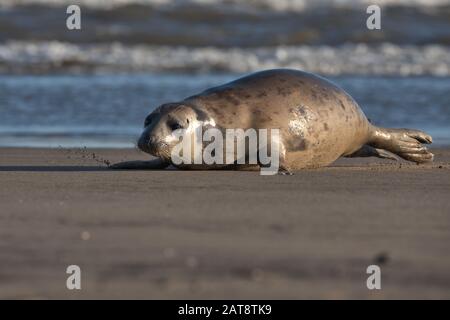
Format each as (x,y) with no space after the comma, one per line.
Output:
(157,138)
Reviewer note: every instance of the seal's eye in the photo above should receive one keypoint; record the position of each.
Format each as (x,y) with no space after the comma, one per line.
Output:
(173,125)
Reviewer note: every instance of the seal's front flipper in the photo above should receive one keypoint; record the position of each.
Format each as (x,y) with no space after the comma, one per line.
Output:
(368,151)
(406,143)
(141,165)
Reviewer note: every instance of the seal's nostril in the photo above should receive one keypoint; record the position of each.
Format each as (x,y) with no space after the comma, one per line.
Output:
(148,144)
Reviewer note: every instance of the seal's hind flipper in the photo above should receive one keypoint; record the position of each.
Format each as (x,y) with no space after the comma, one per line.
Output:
(140,165)
(406,143)
(368,151)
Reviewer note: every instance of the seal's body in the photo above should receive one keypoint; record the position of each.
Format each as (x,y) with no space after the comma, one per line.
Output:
(318,121)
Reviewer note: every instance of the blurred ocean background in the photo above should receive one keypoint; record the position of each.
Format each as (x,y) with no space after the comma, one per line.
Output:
(95,86)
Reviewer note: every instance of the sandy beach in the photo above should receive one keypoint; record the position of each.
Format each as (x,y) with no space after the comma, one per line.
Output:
(178,234)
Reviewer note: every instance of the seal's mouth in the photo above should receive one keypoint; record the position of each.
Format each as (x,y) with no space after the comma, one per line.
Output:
(154,147)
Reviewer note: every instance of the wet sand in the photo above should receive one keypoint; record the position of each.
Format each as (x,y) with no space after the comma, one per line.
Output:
(176,234)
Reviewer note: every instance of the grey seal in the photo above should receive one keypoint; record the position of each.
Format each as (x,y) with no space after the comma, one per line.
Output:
(318,122)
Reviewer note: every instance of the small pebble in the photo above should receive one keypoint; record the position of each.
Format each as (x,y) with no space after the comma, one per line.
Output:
(381,258)
(192,262)
(85,235)
(169,253)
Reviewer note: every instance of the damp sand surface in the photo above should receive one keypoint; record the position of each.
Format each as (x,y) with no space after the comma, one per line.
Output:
(221,234)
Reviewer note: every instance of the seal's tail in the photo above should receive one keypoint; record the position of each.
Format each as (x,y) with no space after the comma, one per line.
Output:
(406,143)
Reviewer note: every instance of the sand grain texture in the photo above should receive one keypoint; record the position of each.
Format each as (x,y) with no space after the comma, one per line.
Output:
(179,234)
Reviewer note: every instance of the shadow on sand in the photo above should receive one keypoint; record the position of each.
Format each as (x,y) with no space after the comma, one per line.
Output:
(67,169)
(54,168)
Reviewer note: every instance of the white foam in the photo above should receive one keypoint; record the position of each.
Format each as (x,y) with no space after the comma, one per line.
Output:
(385,59)
(278,5)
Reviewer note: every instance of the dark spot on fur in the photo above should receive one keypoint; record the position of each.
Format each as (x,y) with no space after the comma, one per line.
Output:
(262,94)
(201,115)
(232,100)
(325,126)
(297,145)
(283,91)
(302,110)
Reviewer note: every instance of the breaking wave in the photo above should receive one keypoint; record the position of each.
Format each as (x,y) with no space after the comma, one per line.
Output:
(277,5)
(358,59)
